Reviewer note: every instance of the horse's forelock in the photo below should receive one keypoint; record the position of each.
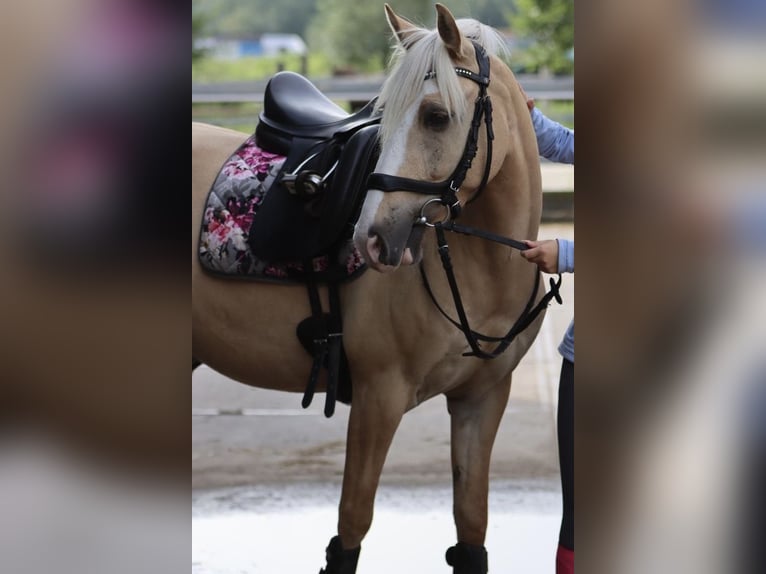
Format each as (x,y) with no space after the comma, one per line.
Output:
(422,52)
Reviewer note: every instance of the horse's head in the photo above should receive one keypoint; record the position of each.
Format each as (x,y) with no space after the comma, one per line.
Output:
(429,100)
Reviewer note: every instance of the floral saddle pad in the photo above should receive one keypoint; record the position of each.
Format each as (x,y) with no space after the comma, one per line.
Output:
(230,215)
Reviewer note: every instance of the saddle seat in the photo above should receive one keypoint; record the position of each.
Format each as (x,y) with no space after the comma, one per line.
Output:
(294,107)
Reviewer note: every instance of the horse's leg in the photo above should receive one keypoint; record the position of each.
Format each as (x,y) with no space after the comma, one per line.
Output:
(376,411)
(475,420)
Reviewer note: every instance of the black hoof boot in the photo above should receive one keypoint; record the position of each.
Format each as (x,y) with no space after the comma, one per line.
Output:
(340,561)
(467,559)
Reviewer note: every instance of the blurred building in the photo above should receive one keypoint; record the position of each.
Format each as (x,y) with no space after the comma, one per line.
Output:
(265,45)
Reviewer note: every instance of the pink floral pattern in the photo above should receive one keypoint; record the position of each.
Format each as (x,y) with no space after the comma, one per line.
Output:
(232,203)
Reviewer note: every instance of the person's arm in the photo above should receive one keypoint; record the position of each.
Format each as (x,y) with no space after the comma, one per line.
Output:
(551,255)
(554,141)
(566,256)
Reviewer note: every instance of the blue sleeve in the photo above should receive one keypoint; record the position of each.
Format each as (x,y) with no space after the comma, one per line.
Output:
(554,141)
(747,225)
(566,256)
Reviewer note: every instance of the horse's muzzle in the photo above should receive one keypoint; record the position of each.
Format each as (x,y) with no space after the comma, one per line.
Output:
(383,255)
(386,251)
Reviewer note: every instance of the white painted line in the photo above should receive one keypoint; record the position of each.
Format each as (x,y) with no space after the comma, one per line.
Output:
(201,412)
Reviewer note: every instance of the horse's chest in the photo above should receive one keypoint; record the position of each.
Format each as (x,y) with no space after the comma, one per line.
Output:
(454,372)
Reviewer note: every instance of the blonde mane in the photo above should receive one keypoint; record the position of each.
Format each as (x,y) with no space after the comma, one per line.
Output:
(423,52)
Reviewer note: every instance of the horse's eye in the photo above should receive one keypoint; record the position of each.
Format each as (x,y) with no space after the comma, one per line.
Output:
(436,119)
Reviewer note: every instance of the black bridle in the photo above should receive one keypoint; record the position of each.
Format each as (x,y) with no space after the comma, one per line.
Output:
(449,188)
(447,195)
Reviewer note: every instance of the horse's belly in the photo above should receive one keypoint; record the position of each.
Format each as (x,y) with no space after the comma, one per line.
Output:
(246,330)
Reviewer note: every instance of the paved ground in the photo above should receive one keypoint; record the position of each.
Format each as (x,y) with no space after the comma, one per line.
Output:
(272,471)
(254,530)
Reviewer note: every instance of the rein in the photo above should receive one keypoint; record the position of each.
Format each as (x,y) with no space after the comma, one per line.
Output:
(447,191)
(528,315)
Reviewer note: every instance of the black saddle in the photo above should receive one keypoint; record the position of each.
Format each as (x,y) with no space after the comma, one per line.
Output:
(293,107)
(314,201)
(312,206)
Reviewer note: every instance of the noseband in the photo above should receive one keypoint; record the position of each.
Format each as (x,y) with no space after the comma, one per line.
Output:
(447,190)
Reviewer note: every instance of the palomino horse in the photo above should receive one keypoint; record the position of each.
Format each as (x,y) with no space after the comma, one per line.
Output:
(401,349)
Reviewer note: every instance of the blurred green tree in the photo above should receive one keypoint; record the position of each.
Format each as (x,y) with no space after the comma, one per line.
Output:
(198,25)
(494,13)
(549,24)
(355,34)
(250,18)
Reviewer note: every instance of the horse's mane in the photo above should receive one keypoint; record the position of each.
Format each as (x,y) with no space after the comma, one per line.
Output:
(421,52)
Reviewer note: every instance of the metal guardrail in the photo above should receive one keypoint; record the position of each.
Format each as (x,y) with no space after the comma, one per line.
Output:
(231,97)
(361,89)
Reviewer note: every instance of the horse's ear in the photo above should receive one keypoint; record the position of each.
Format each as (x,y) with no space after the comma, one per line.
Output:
(400,26)
(448,30)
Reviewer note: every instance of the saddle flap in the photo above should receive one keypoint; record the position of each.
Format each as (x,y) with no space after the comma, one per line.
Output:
(288,226)
(348,187)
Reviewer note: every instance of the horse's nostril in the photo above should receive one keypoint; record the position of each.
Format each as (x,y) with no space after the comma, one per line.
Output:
(379,249)
(373,246)
(382,249)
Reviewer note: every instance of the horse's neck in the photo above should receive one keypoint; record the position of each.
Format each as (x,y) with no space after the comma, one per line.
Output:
(511,203)
(496,276)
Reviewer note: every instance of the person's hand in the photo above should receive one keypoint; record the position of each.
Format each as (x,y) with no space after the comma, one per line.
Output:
(530,101)
(544,253)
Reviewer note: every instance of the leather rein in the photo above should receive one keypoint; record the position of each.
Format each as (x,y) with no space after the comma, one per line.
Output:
(447,196)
